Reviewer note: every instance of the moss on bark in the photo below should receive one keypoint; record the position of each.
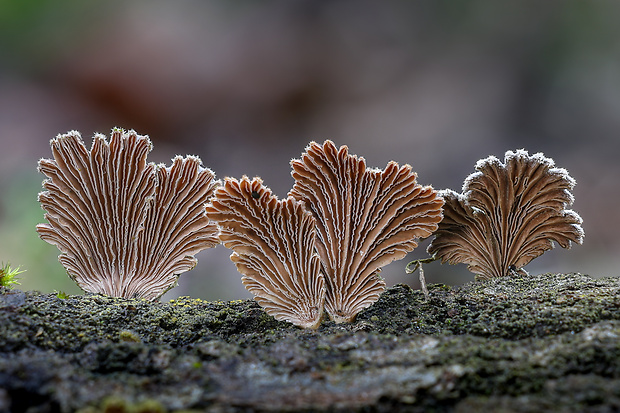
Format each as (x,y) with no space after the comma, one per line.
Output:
(547,342)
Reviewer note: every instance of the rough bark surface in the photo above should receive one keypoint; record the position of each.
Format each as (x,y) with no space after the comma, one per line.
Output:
(537,343)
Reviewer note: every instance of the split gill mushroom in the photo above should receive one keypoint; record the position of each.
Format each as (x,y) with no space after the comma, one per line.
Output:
(273,248)
(508,214)
(365,219)
(124,227)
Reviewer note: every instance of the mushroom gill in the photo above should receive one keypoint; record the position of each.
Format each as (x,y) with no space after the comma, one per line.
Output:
(125,227)
(508,214)
(365,218)
(273,247)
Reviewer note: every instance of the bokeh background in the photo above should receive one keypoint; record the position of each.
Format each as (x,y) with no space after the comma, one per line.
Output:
(246,85)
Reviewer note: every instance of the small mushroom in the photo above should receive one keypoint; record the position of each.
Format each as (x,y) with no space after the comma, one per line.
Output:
(508,214)
(365,218)
(273,247)
(125,227)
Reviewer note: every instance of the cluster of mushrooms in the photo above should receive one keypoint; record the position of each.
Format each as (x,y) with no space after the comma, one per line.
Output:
(128,228)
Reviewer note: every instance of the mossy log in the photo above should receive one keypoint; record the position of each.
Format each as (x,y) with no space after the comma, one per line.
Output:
(538,343)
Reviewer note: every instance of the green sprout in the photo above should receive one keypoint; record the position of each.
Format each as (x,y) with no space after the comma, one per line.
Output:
(8,276)
(61,295)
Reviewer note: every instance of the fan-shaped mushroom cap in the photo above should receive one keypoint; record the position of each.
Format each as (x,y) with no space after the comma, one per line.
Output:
(366,218)
(125,227)
(273,247)
(509,213)
(176,227)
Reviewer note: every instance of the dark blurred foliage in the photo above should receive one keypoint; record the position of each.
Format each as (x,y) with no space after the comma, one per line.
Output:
(246,85)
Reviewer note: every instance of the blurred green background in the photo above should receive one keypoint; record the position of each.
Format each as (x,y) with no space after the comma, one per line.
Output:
(246,85)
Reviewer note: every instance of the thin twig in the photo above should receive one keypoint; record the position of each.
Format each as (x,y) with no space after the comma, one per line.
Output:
(418,265)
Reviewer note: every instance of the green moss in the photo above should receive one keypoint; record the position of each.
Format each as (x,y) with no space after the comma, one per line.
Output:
(509,308)
(129,336)
(114,404)
(483,343)
(61,295)
(8,276)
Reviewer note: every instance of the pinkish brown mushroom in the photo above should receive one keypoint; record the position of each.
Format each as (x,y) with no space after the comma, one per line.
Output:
(273,247)
(366,218)
(508,214)
(125,227)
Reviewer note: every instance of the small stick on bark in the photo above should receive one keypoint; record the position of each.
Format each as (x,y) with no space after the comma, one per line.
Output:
(418,265)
